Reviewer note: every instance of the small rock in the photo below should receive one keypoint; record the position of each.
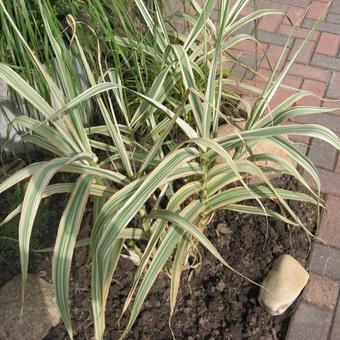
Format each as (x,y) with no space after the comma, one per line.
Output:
(40,309)
(282,285)
(220,286)
(222,228)
(42,273)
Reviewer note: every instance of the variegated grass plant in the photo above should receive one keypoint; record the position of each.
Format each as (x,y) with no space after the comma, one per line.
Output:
(139,115)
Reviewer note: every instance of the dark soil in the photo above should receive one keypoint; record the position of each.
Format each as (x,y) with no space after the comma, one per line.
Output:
(43,233)
(214,303)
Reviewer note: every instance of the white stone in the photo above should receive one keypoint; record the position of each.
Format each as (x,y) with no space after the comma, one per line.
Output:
(40,309)
(282,285)
(11,142)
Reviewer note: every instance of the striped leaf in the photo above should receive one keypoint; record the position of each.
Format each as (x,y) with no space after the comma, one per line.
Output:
(34,192)
(64,246)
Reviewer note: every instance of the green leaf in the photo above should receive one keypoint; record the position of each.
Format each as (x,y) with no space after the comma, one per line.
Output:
(189,83)
(34,192)
(235,195)
(64,246)
(20,176)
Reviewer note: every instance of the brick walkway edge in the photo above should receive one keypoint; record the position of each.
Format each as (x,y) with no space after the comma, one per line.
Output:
(317,69)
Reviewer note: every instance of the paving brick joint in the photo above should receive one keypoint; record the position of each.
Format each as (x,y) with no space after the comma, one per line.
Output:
(317,69)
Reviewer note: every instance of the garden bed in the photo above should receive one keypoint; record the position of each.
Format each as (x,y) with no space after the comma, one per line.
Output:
(213,302)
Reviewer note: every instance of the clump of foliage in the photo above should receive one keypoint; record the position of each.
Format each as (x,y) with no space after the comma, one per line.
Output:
(150,86)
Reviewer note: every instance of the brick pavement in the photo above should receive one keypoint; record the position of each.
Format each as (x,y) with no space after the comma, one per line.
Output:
(317,69)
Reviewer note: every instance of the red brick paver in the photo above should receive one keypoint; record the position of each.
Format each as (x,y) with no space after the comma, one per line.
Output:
(335,333)
(274,53)
(315,9)
(295,15)
(328,44)
(316,87)
(334,87)
(310,322)
(322,154)
(310,72)
(322,292)
(305,55)
(329,230)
